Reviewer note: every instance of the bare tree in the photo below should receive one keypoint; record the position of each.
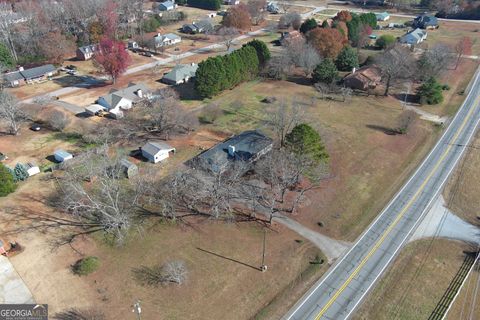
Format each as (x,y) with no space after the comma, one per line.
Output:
(346,93)
(288,20)
(171,272)
(284,119)
(57,120)
(92,191)
(162,115)
(434,61)
(7,25)
(278,67)
(10,112)
(256,8)
(303,55)
(395,63)
(228,35)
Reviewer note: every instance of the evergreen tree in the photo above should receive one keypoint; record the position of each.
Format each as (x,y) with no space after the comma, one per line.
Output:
(354,29)
(7,183)
(369,19)
(305,140)
(20,171)
(325,24)
(347,59)
(308,25)
(325,72)
(6,58)
(263,52)
(430,92)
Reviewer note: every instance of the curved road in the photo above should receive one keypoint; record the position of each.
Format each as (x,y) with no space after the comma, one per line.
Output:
(339,292)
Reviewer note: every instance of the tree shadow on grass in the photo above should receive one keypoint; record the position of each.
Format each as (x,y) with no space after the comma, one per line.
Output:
(387,131)
(230,259)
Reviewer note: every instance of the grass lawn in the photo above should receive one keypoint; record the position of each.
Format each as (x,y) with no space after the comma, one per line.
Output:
(414,284)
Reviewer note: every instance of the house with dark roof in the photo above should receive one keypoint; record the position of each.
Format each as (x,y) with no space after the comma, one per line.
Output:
(118,100)
(29,76)
(198,27)
(181,73)
(425,21)
(86,52)
(156,151)
(365,78)
(246,148)
(413,37)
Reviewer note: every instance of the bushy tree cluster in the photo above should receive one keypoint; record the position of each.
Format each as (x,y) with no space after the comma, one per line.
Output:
(225,72)
(205,4)
(430,92)
(385,41)
(263,52)
(20,172)
(357,23)
(6,58)
(308,25)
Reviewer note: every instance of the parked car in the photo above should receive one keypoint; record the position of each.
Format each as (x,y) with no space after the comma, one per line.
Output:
(3,157)
(72,72)
(101,113)
(35,127)
(71,67)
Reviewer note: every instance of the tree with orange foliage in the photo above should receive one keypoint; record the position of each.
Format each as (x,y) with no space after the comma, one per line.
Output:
(343,15)
(328,42)
(55,47)
(238,17)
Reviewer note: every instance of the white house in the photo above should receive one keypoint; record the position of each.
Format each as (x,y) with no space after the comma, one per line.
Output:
(32,169)
(168,39)
(166,6)
(156,151)
(118,100)
(232,2)
(62,155)
(94,109)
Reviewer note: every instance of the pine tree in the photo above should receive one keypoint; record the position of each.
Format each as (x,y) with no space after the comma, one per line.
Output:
(347,59)
(305,140)
(325,72)
(21,173)
(7,183)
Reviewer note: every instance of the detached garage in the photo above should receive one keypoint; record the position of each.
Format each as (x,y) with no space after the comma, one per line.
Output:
(156,151)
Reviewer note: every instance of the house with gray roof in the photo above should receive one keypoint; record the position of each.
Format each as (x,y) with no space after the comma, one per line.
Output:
(272,7)
(198,27)
(129,169)
(414,37)
(181,73)
(29,76)
(118,100)
(245,148)
(382,16)
(168,39)
(156,151)
(86,52)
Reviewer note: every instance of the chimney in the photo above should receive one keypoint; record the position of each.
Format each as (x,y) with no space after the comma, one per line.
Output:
(193,64)
(231,151)
(354,69)
(159,34)
(20,69)
(140,93)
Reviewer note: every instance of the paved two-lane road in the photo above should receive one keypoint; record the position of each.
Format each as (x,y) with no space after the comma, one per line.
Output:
(338,293)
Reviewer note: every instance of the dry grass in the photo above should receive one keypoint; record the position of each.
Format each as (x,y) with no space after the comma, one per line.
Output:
(414,284)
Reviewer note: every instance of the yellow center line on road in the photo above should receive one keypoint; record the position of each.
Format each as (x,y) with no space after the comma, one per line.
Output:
(399,216)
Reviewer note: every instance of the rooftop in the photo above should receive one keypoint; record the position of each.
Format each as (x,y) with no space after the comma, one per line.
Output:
(181,71)
(153,147)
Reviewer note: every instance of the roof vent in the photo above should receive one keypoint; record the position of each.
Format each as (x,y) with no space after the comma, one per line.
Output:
(231,151)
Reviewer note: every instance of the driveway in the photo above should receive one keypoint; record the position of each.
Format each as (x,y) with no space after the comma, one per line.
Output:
(69,107)
(12,288)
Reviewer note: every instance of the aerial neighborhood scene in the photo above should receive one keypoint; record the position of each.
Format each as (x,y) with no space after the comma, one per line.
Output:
(239,159)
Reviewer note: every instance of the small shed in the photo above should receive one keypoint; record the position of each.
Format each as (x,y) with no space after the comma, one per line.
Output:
(382,16)
(128,168)
(62,155)
(156,151)
(32,169)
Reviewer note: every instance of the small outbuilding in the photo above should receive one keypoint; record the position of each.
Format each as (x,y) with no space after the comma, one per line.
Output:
(62,155)
(32,169)
(365,78)
(156,151)
(382,16)
(94,109)
(128,168)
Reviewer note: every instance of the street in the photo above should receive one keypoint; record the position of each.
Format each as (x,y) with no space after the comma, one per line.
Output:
(336,295)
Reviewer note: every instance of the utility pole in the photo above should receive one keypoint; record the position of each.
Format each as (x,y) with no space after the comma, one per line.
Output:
(137,309)
(263,267)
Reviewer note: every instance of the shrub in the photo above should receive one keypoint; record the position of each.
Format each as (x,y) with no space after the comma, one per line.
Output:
(445,87)
(86,266)
(325,72)
(7,183)
(385,41)
(20,172)
(308,25)
(347,59)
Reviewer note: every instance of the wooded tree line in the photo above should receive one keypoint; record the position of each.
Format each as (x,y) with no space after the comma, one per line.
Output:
(219,73)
